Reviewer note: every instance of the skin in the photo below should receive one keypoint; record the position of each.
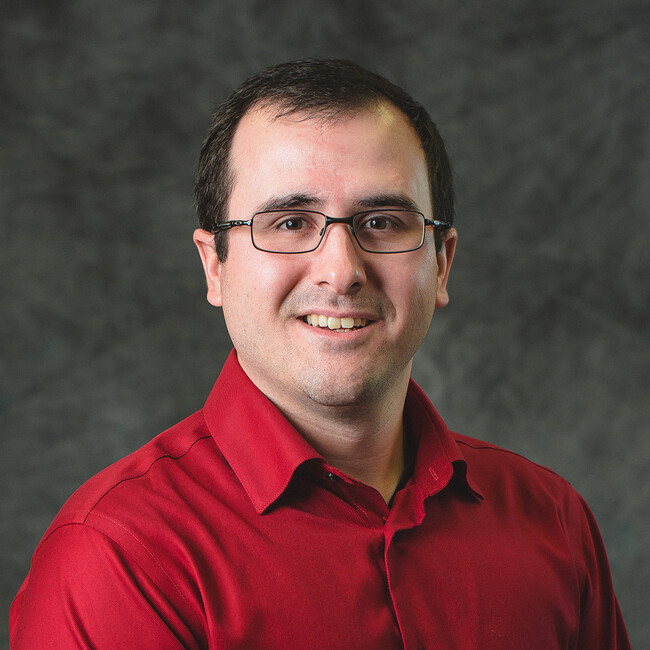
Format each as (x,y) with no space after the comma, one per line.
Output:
(344,392)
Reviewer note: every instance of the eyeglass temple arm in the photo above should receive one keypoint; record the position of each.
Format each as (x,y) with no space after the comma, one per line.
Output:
(442,225)
(227,225)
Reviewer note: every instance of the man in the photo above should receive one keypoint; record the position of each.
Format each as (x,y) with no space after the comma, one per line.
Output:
(318,500)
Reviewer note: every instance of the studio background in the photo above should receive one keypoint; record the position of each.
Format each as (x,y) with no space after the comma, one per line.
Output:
(106,336)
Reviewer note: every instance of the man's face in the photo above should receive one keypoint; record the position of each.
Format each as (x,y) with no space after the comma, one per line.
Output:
(338,168)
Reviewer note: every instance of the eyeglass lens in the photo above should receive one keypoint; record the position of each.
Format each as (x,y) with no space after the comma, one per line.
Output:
(381,231)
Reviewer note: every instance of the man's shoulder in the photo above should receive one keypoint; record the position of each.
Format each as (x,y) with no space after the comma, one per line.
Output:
(122,526)
(497,469)
(489,452)
(128,483)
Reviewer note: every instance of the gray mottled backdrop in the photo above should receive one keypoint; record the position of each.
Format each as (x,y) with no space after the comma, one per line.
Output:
(107,338)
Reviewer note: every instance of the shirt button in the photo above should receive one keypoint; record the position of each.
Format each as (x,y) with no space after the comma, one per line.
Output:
(332,477)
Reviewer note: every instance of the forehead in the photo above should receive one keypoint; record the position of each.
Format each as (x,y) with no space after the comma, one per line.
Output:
(336,159)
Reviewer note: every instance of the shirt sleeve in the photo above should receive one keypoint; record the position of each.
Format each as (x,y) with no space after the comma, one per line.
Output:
(84,591)
(601,622)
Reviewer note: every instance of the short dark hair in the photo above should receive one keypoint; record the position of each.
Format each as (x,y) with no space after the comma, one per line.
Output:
(325,88)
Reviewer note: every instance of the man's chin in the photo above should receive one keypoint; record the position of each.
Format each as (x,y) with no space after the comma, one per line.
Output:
(342,391)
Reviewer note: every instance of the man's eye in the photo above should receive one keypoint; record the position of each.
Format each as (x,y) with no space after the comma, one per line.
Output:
(293,223)
(379,222)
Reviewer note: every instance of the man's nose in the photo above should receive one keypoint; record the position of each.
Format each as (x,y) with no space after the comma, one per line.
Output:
(338,263)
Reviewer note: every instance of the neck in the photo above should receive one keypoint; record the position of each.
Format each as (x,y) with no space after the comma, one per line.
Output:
(365,441)
(377,460)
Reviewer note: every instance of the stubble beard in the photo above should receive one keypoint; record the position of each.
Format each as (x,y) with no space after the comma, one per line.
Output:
(358,388)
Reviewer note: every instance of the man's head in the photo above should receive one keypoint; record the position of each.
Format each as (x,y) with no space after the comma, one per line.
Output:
(336,325)
(324,89)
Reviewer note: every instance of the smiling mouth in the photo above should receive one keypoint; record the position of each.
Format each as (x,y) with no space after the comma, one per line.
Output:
(345,324)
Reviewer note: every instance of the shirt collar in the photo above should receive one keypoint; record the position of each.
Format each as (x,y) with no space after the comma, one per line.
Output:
(264,449)
(439,459)
(257,441)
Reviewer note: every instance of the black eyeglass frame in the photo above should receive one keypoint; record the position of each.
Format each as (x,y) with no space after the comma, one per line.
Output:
(439,226)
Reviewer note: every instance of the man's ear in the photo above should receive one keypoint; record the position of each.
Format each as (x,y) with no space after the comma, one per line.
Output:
(211,264)
(445,258)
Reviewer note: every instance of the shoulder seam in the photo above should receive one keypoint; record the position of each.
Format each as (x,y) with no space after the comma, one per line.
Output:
(146,471)
(103,533)
(490,447)
(149,553)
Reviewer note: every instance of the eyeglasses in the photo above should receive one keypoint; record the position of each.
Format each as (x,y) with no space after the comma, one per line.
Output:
(302,231)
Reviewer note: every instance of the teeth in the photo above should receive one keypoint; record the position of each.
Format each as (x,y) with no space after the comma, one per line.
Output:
(334,323)
(344,324)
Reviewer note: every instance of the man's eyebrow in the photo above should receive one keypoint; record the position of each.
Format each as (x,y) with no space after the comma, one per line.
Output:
(296,201)
(288,202)
(389,201)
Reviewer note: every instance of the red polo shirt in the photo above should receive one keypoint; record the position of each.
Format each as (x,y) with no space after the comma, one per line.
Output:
(230,531)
